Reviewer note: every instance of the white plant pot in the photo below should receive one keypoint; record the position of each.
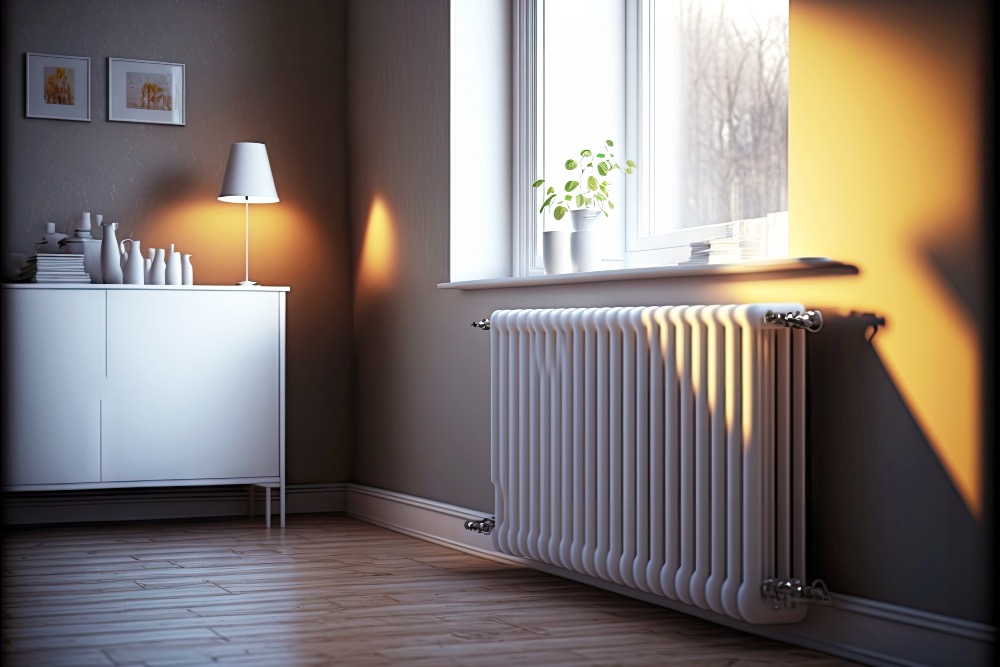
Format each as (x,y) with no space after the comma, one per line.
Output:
(585,250)
(584,219)
(556,251)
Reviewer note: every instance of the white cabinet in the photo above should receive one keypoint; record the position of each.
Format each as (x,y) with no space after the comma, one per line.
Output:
(109,386)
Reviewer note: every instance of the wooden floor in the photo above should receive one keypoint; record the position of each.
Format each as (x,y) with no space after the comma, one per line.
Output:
(326,590)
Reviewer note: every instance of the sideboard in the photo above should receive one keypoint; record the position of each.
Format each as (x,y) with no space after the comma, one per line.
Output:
(125,386)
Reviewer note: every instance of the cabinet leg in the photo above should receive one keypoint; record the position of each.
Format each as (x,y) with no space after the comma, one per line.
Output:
(267,506)
(281,499)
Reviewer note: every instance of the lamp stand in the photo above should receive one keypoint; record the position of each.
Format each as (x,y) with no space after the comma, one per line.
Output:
(246,282)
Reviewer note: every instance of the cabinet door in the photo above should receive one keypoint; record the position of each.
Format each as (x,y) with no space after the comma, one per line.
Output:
(53,380)
(193,386)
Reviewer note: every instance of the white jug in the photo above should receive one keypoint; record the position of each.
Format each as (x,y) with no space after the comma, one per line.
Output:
(134,272)
(111,255)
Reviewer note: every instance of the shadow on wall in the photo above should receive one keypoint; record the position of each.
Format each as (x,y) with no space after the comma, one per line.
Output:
(883,514)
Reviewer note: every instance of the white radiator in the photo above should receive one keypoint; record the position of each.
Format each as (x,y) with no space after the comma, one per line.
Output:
(660,448)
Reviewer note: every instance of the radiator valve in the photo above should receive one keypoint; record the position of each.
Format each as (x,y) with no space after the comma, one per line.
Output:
(789,592)
(484,526)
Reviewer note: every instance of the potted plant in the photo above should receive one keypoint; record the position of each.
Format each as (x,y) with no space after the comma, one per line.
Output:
(587,195)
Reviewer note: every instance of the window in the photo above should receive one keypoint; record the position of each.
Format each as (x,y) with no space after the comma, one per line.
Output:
(696,91)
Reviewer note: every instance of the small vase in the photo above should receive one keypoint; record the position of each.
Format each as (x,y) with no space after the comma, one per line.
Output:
(50,242)
(111,267)
(173,270)
(187,270)
(556,251)
(157,269)
(134,272)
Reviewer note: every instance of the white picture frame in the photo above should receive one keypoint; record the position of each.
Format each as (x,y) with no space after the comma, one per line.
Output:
(56,87)
(146,91)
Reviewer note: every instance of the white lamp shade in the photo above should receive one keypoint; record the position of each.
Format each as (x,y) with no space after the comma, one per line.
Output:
(248,176)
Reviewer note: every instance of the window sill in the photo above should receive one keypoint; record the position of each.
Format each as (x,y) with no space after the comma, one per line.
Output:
(768,268)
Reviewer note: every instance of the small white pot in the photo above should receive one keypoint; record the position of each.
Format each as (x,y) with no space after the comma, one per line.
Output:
(556,251)
(584,219)
(585,250)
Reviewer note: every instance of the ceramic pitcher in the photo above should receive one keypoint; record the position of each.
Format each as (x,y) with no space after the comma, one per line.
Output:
(134,271)
(111,255)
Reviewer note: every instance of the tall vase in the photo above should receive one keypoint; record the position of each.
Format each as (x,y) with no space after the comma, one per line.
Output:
(173,271)
(187,270)
(158,269)
(134,272)
(584,242)
(111,256)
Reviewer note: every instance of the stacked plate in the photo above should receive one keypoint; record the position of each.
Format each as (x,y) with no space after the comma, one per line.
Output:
(46,267)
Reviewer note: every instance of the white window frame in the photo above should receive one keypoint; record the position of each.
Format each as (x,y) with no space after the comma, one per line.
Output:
(527,155)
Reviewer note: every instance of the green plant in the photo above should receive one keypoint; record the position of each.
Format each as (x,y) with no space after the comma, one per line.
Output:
(593,192)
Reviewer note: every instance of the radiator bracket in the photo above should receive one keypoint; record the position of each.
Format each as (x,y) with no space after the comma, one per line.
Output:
(788,593)
(484,526)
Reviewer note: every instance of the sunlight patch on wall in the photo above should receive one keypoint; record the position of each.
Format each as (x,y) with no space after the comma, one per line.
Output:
(884,160)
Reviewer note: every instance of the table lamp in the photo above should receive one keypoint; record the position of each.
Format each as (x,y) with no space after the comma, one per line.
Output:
(248,181)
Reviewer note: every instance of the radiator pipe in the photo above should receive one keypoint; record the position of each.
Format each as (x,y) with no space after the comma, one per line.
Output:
(484,526)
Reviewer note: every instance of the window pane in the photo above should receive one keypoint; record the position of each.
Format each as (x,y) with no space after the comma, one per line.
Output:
(716,86)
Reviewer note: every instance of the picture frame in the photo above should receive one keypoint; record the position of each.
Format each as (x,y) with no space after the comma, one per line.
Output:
(146,91)
(56,87)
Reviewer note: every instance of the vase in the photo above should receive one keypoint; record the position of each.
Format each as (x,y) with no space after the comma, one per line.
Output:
(187,270)
(50,242)
(173,270)
(134,272)
(556,251)
(111,255)
(584,219)
(157,269)
(585,250)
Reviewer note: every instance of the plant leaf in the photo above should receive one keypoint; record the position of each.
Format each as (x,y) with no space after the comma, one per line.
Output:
(629,170)
(602,169)
(550,191)
(609,142)
(571,164)
(610,205)
(601,155)
(559,212)
(592,183)
(568,197)
(585,153)
(579,201)
(600,197)
(571,185)
(547,202)
(587,201)
(604,188)
(538,182)
(631,164)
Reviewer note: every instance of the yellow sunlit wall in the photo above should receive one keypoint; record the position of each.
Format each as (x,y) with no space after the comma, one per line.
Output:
(884,162)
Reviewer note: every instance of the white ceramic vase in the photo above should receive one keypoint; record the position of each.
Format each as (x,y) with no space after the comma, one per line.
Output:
(173,270)
(157,269)
(50,242)
(187,270)
(556,251)
(134,272)
(584,242)
(111,255)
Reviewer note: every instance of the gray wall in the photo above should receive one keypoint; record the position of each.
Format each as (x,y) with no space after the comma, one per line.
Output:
(892,517)
(256,70)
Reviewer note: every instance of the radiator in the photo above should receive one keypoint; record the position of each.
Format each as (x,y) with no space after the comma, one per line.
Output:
(659,448)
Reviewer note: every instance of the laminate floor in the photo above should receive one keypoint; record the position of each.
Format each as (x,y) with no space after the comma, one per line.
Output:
(326,590)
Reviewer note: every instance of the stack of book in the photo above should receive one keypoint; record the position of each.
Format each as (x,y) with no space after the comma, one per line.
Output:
(47,267)
(716,251)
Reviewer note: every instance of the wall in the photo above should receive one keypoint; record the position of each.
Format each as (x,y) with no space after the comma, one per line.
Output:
(255,71)
(887,119)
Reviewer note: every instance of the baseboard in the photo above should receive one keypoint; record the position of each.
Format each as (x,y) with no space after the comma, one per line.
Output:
(858,629)
(164,503)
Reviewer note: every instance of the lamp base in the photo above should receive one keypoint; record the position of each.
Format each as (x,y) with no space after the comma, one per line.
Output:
(246,283)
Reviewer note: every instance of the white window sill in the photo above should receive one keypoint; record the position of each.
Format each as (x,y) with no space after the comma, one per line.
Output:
(755,269)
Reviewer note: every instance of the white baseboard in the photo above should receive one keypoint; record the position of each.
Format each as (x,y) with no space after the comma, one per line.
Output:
(865,631)
(163,503)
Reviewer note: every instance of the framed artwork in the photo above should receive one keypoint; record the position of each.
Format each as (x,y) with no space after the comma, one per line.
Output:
(144,91)
(56,87)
